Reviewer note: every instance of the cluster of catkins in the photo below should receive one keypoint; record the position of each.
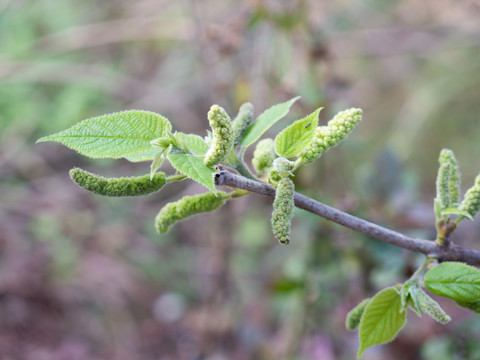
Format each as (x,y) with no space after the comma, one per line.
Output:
(265,161)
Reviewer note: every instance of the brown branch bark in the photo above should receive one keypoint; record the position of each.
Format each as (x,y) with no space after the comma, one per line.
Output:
(448,252)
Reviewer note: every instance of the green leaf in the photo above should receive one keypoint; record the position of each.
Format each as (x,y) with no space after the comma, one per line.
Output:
(143,156)
(454,280)
(194,143)
(293,139)
(382,320)
(457,212)
(194,168)
(114,135)
(265,120)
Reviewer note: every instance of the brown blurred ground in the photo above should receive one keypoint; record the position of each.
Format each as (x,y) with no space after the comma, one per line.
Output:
(84,277)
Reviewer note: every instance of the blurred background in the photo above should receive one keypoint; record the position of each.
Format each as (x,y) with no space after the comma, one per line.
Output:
(86,277)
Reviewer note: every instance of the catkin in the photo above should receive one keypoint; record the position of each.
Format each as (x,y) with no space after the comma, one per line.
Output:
(241,122)
(222,140)
(283,206)
(124,186)
(186,207)
(431,307)
(355,315)
(448,157)
(264,155)
(471,200)
(443,185)
(328,136)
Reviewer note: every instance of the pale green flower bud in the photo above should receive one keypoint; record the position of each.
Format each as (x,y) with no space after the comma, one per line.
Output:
(448,157)
(124,186)
(283,206)
(282,165)
(264,155)
(241,122)
(355,315)
(222,141)
(186,207)
(471,201)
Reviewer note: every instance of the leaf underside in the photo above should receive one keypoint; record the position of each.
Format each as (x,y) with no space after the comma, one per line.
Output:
(114,135)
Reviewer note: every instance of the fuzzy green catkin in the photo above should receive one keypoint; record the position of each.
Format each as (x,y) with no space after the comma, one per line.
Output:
(264,155)
(222,141)
(431,307)
(355,315)
(328,136)
(448,157)
(471,200)
(124,186)
(283,206)
(241,122)
(443,186)
(283,165)
(186,207)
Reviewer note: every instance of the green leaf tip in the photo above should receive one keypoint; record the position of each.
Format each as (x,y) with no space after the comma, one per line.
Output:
(293,139)
(123,186)
(328,136)
(223,136)
(266,120)
(114,135)
(283,207)
(382,319)
(455,280)
(186,207)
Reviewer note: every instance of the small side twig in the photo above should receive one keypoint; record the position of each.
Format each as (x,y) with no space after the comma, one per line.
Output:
(427,247)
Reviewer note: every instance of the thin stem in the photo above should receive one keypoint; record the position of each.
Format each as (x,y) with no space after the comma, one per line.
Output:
(430,248)
(176,177)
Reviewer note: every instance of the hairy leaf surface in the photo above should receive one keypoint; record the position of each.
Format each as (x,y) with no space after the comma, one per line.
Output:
(194,143)
(382,320)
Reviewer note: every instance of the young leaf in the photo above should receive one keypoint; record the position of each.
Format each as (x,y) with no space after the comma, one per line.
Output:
(194,143)
(194,168)
(454,280)
(293,139)
(265,121)
(114,135)
(459,212)
(382,320)
(158,161)
(354,316)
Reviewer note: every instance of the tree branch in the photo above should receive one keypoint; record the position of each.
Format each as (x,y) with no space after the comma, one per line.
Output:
(449,252)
